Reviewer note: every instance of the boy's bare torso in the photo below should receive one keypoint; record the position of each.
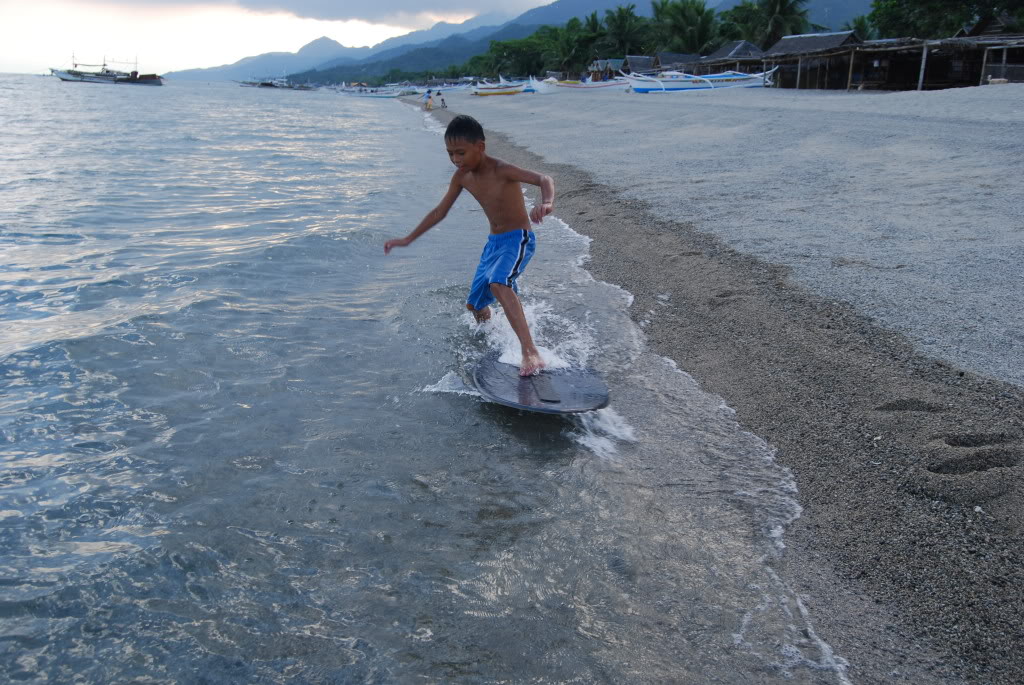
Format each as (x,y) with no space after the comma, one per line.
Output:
(500,197)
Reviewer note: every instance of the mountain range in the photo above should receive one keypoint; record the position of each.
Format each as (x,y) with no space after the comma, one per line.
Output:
(445,44)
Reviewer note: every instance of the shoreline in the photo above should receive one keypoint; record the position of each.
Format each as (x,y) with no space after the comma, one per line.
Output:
(908,468)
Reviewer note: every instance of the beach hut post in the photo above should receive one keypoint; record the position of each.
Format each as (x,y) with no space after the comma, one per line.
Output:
(849,77)
(799,66)
(984,61)
(924,60)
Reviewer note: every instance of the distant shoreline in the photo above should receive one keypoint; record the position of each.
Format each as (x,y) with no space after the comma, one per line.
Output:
(908,468)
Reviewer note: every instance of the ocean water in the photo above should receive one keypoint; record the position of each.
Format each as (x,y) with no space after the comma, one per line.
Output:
(237,443)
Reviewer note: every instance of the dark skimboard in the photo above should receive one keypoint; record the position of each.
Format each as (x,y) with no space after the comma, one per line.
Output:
(558,391)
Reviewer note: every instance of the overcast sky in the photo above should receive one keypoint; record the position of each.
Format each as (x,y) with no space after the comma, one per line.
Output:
(169,35)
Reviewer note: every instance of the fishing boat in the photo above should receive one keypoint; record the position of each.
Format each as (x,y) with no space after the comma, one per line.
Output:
(674,81)
(546,86)
(371,93)
(587,84)
(492,89)
(105,75)
(502,87)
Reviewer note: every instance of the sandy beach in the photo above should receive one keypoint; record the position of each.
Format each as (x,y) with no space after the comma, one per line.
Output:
(844,271)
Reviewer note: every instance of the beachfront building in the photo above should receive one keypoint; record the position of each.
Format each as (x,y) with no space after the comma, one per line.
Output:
(811,60)
(638,64)
(674,60)
(736,55)
(604,69)
(984,53)
(1003,57)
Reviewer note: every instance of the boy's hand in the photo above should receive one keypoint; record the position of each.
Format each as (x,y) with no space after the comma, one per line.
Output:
(540,211)
(395,242)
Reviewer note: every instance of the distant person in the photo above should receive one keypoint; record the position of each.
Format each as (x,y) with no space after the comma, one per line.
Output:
(444,105)
(429,104)
(496,186)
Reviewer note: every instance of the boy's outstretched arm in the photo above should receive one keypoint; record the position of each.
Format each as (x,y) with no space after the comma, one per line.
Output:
(432,218)
(543,181)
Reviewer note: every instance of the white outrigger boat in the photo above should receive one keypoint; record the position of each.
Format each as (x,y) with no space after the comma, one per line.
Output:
(673,81)
(503,87)
(618,82)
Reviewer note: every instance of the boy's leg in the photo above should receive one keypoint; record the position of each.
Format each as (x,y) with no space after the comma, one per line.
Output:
(480,315)
(532,363)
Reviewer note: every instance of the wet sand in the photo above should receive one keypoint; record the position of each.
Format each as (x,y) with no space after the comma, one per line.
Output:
(909,463)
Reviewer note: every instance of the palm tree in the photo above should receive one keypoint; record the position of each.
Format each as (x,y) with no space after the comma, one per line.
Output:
(661,32)
(560,47)
(862,27)
(782,18)
(624,29)
(743,22)
(592,25)
(591,34)
(693,26)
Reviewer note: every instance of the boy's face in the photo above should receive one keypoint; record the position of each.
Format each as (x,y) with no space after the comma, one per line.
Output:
(464,154)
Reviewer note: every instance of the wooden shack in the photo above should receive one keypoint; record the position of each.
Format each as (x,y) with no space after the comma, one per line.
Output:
(604,69)
(1003,48)
(674,60)
(812,60)
(638,63)
(975,55)
(736,55)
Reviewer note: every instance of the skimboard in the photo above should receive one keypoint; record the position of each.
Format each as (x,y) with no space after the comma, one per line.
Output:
(555,391)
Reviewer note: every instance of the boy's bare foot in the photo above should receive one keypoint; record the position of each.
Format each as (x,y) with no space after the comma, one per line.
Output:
(531,364)
(480,315)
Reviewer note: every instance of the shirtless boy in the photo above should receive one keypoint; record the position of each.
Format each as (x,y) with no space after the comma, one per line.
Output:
(495,185)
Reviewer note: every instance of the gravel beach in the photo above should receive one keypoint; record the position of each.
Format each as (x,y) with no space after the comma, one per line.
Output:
(845,271)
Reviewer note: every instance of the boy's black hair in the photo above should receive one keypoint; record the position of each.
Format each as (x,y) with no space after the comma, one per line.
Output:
(464,127)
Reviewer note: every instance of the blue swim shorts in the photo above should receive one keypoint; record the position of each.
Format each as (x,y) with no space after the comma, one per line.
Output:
(505,256)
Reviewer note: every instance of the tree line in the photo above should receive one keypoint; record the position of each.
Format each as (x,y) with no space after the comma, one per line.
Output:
(691,27)
(681,26)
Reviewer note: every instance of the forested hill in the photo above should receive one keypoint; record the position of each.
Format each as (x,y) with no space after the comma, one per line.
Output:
(450,51)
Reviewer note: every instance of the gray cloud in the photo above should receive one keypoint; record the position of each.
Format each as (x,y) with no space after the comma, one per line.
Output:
(377,11)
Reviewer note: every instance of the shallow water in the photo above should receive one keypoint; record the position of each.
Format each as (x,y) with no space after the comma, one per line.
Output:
(238,443)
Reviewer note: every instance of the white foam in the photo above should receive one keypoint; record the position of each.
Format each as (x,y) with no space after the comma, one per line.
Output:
(599,431)
(561,342)
(432,124)
(451,383)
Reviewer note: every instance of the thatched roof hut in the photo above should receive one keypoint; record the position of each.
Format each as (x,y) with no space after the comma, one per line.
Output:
(673,60)
(604,69)
(638,63)
(736,49)
(807,43)
(841,60)
(990,26)
(736,55)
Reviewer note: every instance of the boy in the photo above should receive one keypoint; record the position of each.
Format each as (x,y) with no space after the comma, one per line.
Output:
(495,185)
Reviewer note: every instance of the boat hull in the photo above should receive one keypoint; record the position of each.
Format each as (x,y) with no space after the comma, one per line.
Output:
(504,88)
(600,85)
(514,90)
(683,82)
(107,76)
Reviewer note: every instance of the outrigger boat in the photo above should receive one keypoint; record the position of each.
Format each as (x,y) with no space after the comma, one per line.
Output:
(503,87)
(593,85)
(105,75)
(672,81)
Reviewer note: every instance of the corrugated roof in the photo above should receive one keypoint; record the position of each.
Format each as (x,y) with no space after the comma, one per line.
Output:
(811,42)
(735,49)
